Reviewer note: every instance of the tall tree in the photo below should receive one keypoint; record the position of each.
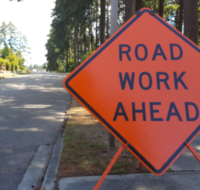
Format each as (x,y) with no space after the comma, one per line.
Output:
(5,52)
(21,60)
(3,33)
(102,22)
(161,8)
(107,19)
(179,16)
(191,20)
(13,59)
(11,37)
(97,22)
(75,47)
(90,31)
(129,9)
(139,4)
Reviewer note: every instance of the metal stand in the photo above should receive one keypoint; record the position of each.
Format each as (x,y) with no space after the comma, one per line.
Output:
(110,166)
(193,151)
(197,156)
(140,166)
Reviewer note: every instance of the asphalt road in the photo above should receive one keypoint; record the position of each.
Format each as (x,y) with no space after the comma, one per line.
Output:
(32,111)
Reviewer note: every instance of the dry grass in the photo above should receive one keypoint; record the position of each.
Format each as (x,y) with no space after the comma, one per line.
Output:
(85,150)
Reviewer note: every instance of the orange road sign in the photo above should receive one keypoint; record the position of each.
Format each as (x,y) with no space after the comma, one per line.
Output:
(142,85)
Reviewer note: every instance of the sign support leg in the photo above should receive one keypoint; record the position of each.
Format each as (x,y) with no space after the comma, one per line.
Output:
(193,151)
(140,166)
(110,166)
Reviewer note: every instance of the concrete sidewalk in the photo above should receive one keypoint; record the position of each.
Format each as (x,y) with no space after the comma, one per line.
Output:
(186,176)
(168,181)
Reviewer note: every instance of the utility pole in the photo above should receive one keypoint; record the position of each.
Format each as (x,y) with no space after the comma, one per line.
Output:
(114,27)
(114,16)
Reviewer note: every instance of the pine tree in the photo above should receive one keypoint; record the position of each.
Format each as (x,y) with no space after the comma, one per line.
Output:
(191,20)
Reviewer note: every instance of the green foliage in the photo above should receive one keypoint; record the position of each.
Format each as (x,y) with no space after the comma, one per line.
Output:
(68,16)
(44,66)
(85,56)
(5,52)
(13,59)
(8,65)
(9,36)
(71,67)
(5,63)
(2,62)
(21,61)
(170,8)
(78,15)
(14,44)
(23,68)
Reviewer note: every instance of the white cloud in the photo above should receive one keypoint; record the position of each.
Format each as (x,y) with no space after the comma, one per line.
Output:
(33,19)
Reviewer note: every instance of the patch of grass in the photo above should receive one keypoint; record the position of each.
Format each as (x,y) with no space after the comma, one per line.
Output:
(66,139)
(69,150)
(169,170)
(94,152)
(119,171)
(71,145)
(85,148)
(74,161)
(119,168)
(103,165)
(118,165)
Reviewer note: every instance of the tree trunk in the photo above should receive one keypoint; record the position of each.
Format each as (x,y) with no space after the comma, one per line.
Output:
(180,21)
(191,20)
(161,8)
(75,42)
(139,5)
(107,19)
(82,47)
(97,18)
(67,61)
(129,9)
(89,38)
(78,44)
(102,22)
(70,51)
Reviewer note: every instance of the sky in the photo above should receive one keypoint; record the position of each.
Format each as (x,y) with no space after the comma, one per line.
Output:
(33,19)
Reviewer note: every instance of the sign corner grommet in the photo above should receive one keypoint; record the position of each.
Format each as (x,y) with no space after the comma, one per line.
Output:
(152,12)
(138,13)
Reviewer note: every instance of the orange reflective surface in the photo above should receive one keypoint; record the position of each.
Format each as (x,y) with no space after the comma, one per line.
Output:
(143,86)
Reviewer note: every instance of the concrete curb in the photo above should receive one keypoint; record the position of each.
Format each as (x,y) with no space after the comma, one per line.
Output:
(50,176)
(168,181)
(36,168)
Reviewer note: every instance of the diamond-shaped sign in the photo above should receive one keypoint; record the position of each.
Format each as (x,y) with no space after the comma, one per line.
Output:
(142,84)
